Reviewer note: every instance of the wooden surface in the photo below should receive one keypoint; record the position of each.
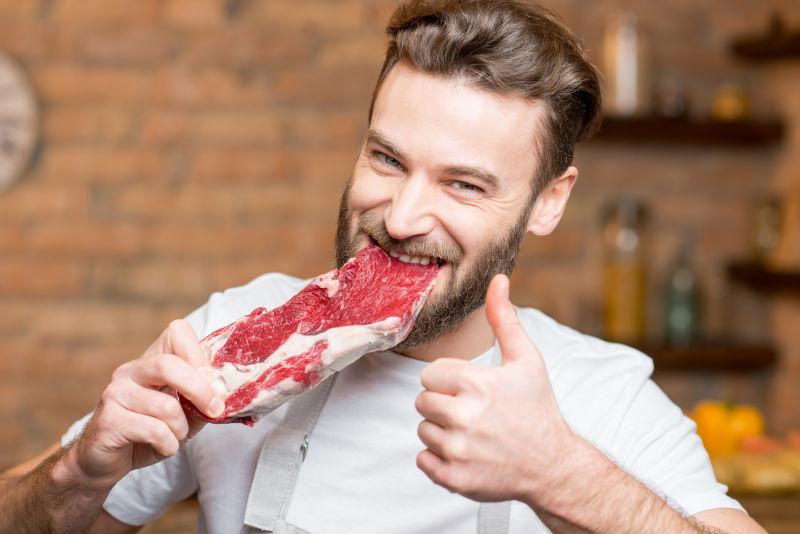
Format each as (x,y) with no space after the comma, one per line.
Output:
(686,132)
(778,515)
(708,356)
(764,279)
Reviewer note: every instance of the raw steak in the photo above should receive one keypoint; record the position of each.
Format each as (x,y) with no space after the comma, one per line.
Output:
(267,357)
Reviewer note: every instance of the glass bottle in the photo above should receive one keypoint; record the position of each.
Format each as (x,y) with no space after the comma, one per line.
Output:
(624,272)
(626,67)
(682,300)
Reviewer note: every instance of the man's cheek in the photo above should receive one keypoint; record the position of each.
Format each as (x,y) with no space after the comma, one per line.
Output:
(369,191)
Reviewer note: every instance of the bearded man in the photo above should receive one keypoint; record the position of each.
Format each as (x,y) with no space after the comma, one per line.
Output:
(488,417)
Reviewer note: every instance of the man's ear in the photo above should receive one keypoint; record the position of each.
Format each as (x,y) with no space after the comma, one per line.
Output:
(551,202)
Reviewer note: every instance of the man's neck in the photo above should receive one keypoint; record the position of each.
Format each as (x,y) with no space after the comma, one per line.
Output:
(469,340)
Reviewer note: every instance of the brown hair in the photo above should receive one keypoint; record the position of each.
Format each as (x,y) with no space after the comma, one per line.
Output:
(509,47)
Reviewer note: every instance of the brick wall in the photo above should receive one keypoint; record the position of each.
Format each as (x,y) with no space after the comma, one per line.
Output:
(190,145)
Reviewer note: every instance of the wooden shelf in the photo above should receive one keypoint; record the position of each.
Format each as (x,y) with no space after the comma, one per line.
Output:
(660,130)
(712,356)
(774,45)
(764,279)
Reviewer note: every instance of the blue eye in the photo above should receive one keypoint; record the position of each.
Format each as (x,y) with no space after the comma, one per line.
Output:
(386,159)
(464,186)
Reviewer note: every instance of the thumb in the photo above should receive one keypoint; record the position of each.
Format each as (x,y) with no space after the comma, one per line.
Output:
(514,342)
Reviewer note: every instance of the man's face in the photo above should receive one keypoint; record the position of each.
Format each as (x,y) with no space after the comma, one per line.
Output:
(445,172)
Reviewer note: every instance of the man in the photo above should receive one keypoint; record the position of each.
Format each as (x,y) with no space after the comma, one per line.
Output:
(471,135)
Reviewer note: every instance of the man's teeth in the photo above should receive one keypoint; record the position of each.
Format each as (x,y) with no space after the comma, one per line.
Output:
(422,260)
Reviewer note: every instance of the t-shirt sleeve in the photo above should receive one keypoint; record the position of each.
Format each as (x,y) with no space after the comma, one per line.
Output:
(146,493)
(658,445)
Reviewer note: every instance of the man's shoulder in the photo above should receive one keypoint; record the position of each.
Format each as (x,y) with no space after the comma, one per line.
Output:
(268,287)
(562,346)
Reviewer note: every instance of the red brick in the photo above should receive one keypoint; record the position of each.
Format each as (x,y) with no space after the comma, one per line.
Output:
(154,281)
(89,123)
(135,45)
(319,87)
(224,240)
(335,129)
(35,362)
(33,200)
(19,9)
(95,321)
(34,41)
(225,166)
(101,12)
(232,274)
(70,83)
(234,128)
(564,244)
(558,289)
(210,86)
(193,14)
(15,327)
(307,16)
(41,277)
(365,50)
(84,239)
(87,164)
(12,238)
(248,48)
(272,201)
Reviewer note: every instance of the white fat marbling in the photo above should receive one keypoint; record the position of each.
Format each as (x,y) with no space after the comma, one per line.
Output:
(345,345)
(328,283)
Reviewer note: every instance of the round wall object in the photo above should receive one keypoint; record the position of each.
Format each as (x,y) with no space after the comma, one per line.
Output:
(19,121)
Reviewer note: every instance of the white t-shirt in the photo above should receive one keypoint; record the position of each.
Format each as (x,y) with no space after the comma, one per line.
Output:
(360,476)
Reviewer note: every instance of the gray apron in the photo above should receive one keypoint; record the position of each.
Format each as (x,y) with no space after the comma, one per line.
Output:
(283,453)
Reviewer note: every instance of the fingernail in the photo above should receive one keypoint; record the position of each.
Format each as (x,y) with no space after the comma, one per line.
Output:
(216,407)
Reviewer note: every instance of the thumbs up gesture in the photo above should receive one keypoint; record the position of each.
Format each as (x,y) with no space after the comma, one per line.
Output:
(493,434)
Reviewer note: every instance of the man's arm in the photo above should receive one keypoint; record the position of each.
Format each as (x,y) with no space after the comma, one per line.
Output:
(595,495)
(137,422)
(483,442)
(36,484)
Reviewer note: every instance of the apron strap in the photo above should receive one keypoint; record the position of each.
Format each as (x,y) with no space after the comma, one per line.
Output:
(279,462)
(493,517)
(285,449)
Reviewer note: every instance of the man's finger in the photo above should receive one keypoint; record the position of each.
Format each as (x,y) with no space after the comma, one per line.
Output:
(432,436)
(161,405)
(443,375)
(183,342)
(502,317)
(434,467)
(158,370)
(439,408)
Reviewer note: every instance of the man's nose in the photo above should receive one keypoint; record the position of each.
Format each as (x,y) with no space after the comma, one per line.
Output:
(409,214)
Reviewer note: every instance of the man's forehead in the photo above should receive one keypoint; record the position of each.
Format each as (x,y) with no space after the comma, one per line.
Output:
(439,119)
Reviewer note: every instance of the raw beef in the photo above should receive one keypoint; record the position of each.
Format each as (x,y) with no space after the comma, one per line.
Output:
(267,357)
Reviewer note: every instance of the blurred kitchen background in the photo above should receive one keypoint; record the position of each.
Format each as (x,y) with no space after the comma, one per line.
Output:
(164,149)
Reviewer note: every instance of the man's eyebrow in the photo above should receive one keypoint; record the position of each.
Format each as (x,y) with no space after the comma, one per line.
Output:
(374,136)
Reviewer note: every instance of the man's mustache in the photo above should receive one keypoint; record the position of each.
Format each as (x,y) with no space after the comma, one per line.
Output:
(413,246)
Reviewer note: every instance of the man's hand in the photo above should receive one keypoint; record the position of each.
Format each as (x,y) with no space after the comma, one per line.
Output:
(139,420)
(496,434)
(493,434)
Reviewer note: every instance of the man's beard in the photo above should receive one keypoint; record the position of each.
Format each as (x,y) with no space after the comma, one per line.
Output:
(463,292)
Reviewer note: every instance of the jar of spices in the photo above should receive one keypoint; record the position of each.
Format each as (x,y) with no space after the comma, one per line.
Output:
(624,271)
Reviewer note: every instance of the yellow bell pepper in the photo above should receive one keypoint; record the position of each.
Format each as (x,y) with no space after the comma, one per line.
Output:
(723,426)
